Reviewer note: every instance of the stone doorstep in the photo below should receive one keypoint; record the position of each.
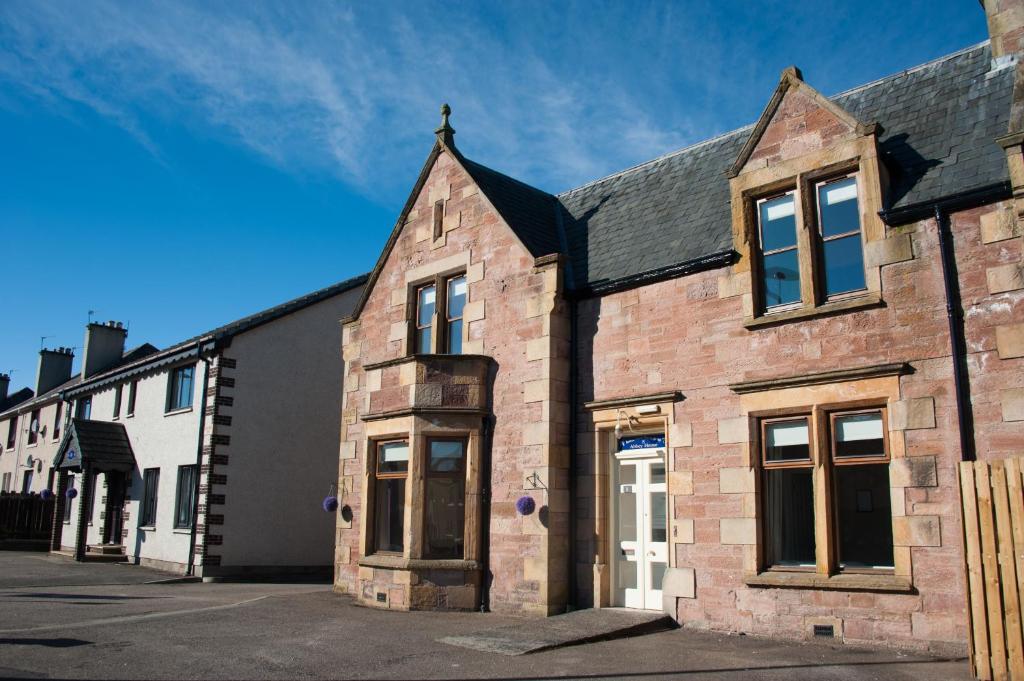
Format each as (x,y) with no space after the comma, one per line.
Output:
(105,549)
(559,631)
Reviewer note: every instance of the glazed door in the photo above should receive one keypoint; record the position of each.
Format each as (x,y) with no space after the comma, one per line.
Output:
(115,506)
(641,531)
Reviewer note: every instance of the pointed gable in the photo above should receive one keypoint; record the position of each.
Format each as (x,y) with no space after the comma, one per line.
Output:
(797,120)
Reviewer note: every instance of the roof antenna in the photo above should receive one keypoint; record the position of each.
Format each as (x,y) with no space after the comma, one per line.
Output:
(445,133)
(91,313)
(42,342)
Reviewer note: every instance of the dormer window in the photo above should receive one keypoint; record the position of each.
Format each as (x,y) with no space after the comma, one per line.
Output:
(806,265)
(437,324)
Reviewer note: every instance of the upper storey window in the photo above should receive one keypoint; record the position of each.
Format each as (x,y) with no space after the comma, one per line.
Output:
(437,322)
(839,230)
(806,265)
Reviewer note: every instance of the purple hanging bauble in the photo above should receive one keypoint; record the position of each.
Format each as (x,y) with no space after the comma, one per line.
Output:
(71,493)
(46,495)
(330,504)
(525,505)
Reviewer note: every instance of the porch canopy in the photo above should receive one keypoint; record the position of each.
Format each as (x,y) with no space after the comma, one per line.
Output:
(100,446)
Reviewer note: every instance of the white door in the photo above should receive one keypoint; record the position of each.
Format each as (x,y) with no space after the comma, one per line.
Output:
(641,529)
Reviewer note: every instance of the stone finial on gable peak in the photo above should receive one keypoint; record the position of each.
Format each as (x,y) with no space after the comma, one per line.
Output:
(792,73)
(445,133)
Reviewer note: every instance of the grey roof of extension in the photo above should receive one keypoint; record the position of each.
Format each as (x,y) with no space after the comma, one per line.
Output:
(187,347)
(133,355)
(103,444)
(940,121)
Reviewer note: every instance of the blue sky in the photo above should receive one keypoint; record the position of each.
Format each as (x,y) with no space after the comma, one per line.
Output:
(178,165)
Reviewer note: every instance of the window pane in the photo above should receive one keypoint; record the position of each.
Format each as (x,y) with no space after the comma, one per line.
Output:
(844,265)
(789,516)
(446,517)
(423,341)
(455,337)
(456,296)
(185,497)
(787,441)
(859,435)
(446,456)
(657,575)
(425,306)
(627,509)
(781,278)
(778,223)
(657,473)
(837,202)
(393,457)
(659,517)
(389,514)
(864,516)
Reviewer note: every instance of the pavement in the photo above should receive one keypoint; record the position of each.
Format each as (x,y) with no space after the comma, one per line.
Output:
(59,619)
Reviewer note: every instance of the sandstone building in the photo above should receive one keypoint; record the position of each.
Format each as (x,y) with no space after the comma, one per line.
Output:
(734,382)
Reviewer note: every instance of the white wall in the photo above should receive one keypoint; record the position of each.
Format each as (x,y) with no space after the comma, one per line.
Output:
(159,440)
(284,439)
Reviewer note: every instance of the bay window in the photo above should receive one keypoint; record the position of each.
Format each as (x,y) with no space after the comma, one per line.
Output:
(392,469)
(445,500)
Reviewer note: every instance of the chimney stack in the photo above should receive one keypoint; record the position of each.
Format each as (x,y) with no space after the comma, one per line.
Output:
(104,347)
(54,368)
(5,382)
(1005,26)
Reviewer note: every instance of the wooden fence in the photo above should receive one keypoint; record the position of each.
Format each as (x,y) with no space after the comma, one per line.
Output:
(992,493)
(25,517)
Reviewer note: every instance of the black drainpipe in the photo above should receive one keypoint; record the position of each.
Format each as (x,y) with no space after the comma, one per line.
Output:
(573,377)
(485,512)
(199,462)
(958,342)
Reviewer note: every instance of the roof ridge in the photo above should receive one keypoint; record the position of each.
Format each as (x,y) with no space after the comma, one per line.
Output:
(719,137)
(912,69)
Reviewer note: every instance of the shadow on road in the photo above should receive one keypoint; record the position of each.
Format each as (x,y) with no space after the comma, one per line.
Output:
(45,642)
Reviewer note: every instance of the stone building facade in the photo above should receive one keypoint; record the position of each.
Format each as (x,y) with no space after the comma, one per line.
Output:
(733,382)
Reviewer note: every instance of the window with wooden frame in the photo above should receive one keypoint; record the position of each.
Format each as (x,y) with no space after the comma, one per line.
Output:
(436,321)
(391,469)
(12,432)
(56,420)
(809,242)
(445,504)
(117,401)
(33,427)
(825,477)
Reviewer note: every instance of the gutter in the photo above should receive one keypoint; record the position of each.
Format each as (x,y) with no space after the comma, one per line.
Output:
(190,570)
(971,198)
(701,264)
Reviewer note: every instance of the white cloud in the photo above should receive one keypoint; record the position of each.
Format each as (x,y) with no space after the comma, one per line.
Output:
(325,88)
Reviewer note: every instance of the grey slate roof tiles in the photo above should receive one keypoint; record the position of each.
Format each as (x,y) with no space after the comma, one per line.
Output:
(940,121)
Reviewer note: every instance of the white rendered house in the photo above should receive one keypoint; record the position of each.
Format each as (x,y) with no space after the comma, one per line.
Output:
(211,457)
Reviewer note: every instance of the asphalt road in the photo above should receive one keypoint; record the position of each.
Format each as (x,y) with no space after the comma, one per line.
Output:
(106,622)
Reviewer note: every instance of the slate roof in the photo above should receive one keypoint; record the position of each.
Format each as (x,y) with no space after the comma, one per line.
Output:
(104,444)
(133,355)
(940,121)
(529,211)
(16,398)
(176,352)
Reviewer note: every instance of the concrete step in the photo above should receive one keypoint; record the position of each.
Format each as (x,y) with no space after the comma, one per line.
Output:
(574,628)
(105,549)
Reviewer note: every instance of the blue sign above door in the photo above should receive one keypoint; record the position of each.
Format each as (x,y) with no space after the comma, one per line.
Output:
(641,442)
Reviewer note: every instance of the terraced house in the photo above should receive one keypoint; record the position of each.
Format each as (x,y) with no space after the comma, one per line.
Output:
(187,458)
(733,382)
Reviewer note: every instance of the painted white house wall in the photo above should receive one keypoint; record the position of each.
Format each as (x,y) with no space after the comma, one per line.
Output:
(159,440)
(286,421)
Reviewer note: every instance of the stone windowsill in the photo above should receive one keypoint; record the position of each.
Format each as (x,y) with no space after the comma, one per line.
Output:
(841,582)
(402,563)
(846,305)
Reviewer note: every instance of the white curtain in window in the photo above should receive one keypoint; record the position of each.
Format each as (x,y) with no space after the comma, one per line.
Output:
(859,427)
(788,434)
(844,190)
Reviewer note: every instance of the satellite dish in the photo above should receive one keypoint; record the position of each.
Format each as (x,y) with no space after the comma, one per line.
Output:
(35,426)
(29,461)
